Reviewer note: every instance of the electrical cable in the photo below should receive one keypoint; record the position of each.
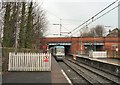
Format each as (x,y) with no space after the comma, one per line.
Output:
(99,17)
(93,16)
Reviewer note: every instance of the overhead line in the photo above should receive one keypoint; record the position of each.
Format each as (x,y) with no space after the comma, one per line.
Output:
(100,16)
(93,16)
(105,8)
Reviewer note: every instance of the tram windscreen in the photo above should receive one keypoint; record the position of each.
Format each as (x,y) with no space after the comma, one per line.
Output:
(60,50)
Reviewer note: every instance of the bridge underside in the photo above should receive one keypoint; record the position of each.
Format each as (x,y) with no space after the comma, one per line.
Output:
(67,46)
(94,46)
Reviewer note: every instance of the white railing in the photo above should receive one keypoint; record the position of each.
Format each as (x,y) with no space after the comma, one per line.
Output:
(29,62)
(98,54)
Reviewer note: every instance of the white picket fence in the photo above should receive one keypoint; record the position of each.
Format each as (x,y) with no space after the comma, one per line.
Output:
(29,62)
(98,54)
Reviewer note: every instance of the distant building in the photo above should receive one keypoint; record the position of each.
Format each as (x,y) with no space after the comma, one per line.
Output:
(113,33)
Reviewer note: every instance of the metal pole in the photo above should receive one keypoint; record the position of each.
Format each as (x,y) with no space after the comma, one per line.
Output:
(94,45)
(81,41)
(60,27)
(94,41)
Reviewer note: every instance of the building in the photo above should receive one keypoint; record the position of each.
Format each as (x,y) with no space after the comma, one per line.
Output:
(113,33)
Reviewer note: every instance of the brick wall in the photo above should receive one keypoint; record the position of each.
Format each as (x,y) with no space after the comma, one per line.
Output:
(76,46)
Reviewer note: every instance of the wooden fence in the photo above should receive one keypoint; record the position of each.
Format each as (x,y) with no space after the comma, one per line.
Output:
(29,62)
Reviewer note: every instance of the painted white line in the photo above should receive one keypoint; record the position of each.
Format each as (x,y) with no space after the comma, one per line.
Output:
(66,77)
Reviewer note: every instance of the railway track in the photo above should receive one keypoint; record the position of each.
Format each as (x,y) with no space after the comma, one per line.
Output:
(90,75)
(73,75)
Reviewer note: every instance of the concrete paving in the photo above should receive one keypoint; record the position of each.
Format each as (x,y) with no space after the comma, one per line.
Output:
(27,77)
(57,76)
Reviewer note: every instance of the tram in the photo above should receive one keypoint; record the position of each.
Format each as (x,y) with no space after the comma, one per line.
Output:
(58,52)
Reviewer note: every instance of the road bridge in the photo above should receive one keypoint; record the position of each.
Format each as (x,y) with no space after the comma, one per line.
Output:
(83,45)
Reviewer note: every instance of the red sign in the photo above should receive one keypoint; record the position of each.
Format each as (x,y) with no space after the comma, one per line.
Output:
(46,59)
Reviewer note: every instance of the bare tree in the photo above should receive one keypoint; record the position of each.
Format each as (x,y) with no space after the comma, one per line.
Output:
(22,26)
(34,26)
(40,24)
(6,24)
(2,11)
(24,18)
(97,31)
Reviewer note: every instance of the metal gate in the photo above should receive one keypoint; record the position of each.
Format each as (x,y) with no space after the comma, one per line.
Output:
(29,62)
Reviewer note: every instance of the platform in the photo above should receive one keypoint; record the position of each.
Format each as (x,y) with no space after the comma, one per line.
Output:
(111,61)
(55,76)
(106,64)
(105,60)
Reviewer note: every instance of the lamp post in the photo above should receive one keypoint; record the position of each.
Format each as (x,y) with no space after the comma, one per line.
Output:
(81,41)
(94,41)
(104,35)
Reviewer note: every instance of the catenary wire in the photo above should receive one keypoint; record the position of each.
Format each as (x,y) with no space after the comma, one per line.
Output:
(93,16)
(98,18)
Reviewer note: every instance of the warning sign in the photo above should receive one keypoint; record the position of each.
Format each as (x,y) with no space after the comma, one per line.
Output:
(46,59)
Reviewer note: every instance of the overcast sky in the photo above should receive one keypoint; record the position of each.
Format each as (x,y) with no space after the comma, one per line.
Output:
(74,12)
